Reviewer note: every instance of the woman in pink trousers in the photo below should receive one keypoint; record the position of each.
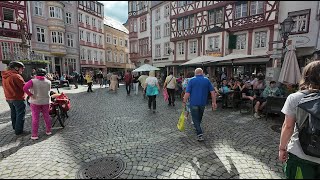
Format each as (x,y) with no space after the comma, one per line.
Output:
(38,90)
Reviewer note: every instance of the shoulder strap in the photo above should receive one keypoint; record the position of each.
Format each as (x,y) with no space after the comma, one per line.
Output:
(170,80)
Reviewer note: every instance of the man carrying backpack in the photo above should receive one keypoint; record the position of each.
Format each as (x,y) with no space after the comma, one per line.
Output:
(300,135)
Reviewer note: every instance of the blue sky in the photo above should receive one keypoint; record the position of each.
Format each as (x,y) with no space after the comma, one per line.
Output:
(117,10)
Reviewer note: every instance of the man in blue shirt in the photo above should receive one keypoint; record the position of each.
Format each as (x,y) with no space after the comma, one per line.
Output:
(197,89)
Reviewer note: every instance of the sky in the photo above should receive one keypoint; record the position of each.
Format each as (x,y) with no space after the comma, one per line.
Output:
(117,10)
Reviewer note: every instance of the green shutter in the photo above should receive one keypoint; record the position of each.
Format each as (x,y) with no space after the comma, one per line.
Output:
(232,41)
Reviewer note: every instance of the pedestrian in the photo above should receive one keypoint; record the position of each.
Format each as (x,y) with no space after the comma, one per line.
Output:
(39,101)
(114,82)
(142,80)
(75,76)
(89,81)
(135,83)
(293,145)
(170,83)
(81,78)
(105,78)
(197,89)
(184,87)
(128,81)
(12,83)
(99,78)
(33,73)
(152,90)
(108,78)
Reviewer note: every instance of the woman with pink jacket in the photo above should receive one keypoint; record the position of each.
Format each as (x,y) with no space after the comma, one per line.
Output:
(38,90)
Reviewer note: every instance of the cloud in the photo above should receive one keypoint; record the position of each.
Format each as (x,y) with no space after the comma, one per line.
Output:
(117,10)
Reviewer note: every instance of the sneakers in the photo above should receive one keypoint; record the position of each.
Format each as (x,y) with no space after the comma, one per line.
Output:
(34,137)
(257,116)
(200,138)
(48,133)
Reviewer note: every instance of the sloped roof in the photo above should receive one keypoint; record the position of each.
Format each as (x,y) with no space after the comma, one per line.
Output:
(115,24)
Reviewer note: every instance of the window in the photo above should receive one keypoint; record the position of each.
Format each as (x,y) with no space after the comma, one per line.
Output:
(193,47)
(99,25)
(81,35)
(241,41)
(60,38)
(88,37)
(68,18)
(158,52)
(16,48)
(135,26)
(55,12)
(181,48)
(213,43)
(126,43)
(260,39)
(158,35)
(121,58)
(182,3)
(115,57)
(109,38)
(167,29)
(256,7)
(115,40)
(158,14)
(95,56)
(80,17)
(166,10)
(70,40)
(241,10)
(89,54)
(188,22)
(5,46)
(38,8)
(87,20)
(215,16)
(93,22)
(8,14)
(41,34)
(54,36)
(82,54)
(101,56)
(100,40)
(143,47)
(166,48)
(126,59)
(143,25)
(94,37)
(120,42)
(109,55)
(301,19)
(180,24)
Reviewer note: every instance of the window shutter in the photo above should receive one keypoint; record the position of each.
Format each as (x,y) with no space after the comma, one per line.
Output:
(232,41)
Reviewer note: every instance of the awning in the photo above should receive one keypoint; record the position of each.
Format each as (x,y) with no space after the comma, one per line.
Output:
(245,61)
(237,57)
(200,60)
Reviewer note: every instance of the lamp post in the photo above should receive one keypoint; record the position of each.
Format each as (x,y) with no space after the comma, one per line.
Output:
(285,28)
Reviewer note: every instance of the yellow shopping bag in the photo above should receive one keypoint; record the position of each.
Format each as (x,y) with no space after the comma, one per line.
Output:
(180,124)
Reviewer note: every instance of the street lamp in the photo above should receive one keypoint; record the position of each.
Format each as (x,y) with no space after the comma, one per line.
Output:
(285,28)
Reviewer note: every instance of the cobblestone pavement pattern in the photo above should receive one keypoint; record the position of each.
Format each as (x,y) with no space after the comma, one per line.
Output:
(104,124)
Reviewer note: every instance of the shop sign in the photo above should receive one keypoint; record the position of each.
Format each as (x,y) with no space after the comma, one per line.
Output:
(299,40)
(214,54)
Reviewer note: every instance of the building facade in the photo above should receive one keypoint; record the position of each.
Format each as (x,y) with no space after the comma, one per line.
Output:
(91,35)
(10,12)
(162,54)
(116,46)
(139,32)
(222,28)
(55,34)
(305,33)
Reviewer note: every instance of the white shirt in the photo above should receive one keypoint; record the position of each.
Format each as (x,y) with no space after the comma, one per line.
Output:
(152,81)
(172,83)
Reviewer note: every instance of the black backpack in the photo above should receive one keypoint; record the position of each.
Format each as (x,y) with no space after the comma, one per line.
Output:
(309,130)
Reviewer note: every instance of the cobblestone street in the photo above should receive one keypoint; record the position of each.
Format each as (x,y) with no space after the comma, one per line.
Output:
(105,124)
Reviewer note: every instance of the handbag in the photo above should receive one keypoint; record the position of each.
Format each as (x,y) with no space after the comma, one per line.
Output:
(181,121)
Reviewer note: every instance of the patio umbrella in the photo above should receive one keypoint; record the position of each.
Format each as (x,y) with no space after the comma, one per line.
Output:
(146,67)
(290,71)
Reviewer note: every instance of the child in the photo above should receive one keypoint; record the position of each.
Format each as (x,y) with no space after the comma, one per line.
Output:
(38,89)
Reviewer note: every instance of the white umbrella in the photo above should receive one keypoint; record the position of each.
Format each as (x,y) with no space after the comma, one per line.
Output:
(290,71)
(146,67)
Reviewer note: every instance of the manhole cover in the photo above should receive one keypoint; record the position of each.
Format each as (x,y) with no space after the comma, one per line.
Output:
(104,168)
(276,128)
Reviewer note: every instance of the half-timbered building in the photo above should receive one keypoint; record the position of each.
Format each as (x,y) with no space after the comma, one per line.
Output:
(10,12)
(221,28)
(139,32)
